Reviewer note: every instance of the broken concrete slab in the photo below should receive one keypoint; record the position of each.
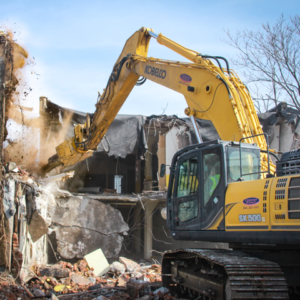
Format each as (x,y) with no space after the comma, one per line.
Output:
(37,227)
(54,271)
(9,198)
(98,262)
(130,265)
(11,166)
(53,297)
(77,242)
(88,213)
(83,225)
(117,267)
(61,176)
(80,280)
(122,280)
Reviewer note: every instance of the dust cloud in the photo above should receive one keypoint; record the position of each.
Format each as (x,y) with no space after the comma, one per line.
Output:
(53,134)
(27,141)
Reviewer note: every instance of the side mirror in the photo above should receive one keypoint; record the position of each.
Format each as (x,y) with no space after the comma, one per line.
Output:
(162,170)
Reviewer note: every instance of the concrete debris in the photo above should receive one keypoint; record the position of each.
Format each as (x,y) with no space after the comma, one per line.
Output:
(163,213)
(80,230)
(76,242)
(123,280)
(81,282)
(82,227)
(81,211)
(101,298)
(117,267)
(130,265)
(25,206)
(97,261)
(38,293)
(37,226)
(62,176)
(92,280)
(137,289)
(54,271)
(53,297)
(11,166)
(9,197)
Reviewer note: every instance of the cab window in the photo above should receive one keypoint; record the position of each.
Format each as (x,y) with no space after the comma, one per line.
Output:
(250,164)
(188,183)
(188,177)
(212,173)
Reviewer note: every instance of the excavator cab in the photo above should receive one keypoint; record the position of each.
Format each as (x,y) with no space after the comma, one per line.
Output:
(198,180)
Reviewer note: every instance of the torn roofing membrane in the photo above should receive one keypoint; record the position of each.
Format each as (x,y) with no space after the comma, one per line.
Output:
(127,131)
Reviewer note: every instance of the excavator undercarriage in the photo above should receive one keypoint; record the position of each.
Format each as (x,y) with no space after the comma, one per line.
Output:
(222,274)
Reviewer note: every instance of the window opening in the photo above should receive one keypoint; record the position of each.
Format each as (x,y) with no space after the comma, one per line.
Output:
(118,183)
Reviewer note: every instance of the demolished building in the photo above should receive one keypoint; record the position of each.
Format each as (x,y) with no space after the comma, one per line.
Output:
(115,200)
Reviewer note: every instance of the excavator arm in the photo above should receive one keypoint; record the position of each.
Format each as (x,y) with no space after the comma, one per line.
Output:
(211,92)
(120,83)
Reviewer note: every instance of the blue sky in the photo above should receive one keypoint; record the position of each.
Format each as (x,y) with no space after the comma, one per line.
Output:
(76,43)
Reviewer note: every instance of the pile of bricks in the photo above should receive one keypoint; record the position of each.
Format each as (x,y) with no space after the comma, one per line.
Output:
(77,281)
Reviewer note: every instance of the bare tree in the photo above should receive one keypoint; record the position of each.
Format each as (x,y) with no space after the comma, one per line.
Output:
(270,61)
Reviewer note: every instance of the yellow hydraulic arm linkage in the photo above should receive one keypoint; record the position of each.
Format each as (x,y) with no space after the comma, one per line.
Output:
(211,92)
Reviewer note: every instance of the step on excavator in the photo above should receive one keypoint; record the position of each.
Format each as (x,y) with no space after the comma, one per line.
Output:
(233,190)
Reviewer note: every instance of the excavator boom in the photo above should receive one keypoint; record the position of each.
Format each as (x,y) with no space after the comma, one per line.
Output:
(211,92)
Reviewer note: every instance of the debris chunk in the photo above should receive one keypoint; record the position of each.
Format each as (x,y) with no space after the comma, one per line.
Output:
(117,267)
(54,271)
(130,265)
(38,293)
(122,280)
(37,227)
(98,262)
(101,298)
(137,289)
(80,280)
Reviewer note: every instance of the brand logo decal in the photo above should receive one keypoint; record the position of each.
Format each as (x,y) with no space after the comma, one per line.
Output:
(186,78)
(251,201)
(160,73)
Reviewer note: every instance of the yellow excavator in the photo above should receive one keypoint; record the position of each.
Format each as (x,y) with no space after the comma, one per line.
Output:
(226,190)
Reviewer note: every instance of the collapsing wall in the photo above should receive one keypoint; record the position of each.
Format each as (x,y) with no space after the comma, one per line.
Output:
(33,210)
(11,58)
(25,207)
(82,224)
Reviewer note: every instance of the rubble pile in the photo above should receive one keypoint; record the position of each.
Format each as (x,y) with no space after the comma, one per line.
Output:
(32,210)
(24,222)
(125,279)
(79,230)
